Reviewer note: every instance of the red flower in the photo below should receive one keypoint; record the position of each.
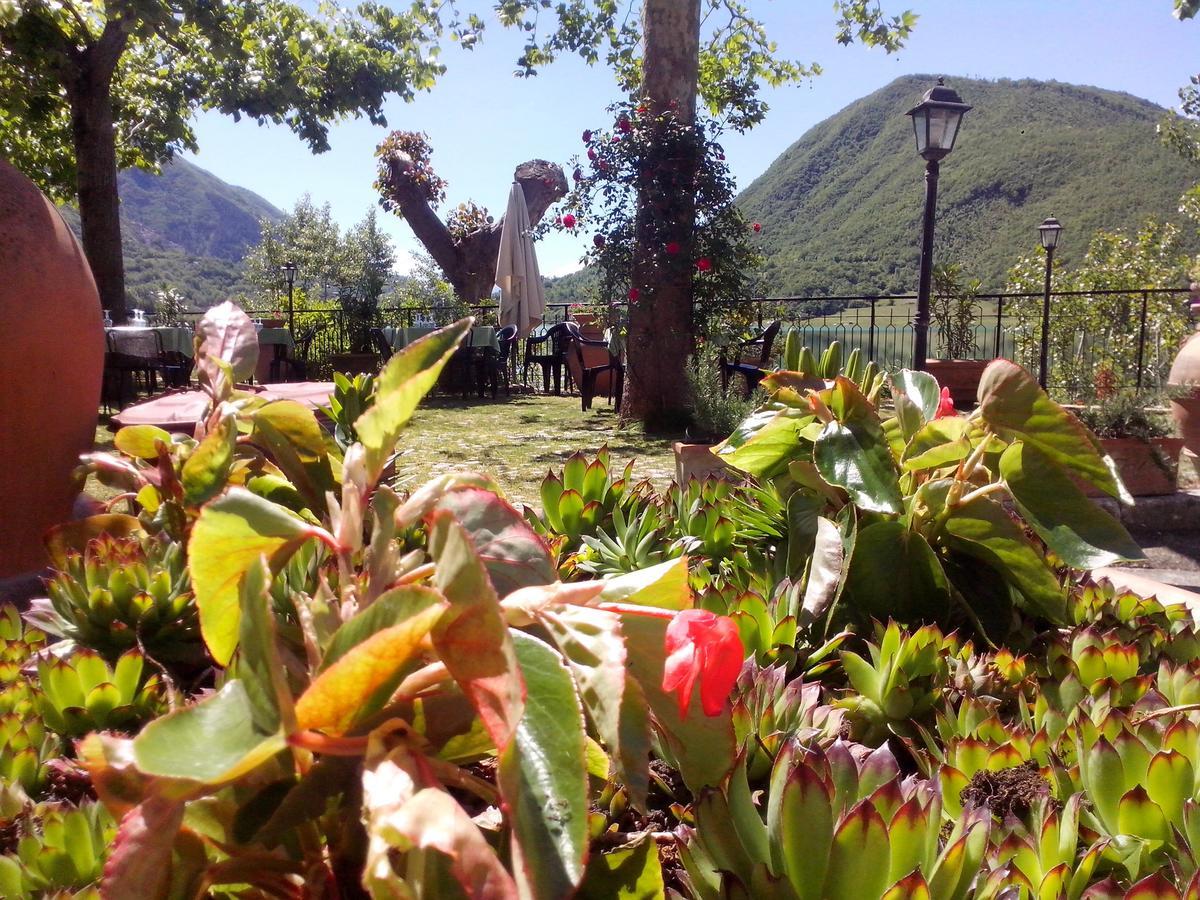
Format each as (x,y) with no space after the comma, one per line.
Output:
(702,645)
(587,136)
(704,264)
(757,226)
(945,405)
(591,154)
(672,248)
(598,240)
(568,221)
(623,125)
(577,175)
(634,293)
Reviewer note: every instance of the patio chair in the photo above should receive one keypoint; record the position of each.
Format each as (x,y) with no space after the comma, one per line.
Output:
(548,351)
(293,364)
(493,364)
(381,345)
(134,353)
(750,359)
(586,375)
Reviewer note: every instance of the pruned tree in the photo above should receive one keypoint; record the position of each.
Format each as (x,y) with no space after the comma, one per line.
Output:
(467,243)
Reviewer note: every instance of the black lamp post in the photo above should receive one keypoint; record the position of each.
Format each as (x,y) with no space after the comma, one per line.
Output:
(1049,231)
(289,274)
(935,122)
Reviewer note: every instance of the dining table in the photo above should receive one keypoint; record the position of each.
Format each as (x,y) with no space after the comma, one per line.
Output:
(180,339)
(399,338)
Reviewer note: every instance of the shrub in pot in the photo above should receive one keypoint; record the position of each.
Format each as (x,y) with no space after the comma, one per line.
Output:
(954,312)
(1139,443)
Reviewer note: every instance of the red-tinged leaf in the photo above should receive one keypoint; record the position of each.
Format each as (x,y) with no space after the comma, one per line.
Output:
(514,554)
(399,818)
(911,887)
(664,586)
(139,864)
(472,637)
(226,333)
(342,693)
(1139,815)
(858,862)
(1153,887)
(1193,888)
(907,835)
(593,644)
(800,825)
(1108,889)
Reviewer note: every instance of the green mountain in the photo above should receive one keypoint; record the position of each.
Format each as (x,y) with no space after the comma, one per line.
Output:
(841,208)
(186,229)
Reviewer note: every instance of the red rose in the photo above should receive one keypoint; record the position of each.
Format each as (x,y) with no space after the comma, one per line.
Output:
(623,125)
(704,264)
(598,240)
(568,221)
(672,248)
(757,226)
(587,136)
(633,295)
(702,645)
(591,154)
(577,175)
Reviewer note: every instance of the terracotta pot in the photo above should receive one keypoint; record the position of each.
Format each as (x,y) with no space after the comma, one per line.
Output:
(354,363)
(961,376)
(1185,373)
(697,461)
(1146,467)
(51,365)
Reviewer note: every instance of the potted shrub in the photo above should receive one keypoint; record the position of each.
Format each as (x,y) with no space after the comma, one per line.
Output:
(358,310)
(954,311)
(1183,385)
(1138,441)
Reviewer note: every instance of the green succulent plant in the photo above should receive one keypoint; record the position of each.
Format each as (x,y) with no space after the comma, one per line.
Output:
(638,540)
(838,824)
(61,856)
(351,398)
(25,748)
(82,693)
(581,500)
(797,358)
(123,593)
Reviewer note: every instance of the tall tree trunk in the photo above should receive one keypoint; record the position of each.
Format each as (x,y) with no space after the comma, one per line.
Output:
(99,203)
(660,323)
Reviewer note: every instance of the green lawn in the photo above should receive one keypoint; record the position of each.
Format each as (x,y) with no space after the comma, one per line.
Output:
(515,440)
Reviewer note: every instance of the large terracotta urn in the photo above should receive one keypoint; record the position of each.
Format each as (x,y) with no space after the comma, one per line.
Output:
(51,365)
(1183,382)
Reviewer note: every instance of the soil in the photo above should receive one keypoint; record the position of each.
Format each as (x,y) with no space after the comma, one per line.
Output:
(1012,791)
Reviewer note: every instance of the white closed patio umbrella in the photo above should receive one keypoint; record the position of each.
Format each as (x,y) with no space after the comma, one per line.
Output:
(522,299)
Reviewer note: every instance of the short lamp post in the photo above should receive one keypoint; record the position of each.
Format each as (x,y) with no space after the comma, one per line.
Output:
(1049,231)
(289,275)
(935,122)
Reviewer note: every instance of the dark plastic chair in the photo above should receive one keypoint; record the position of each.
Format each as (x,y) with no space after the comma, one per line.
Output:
(493,364)
(576,342)
(750,359)
(381,346)
(134,352)
(547,350)
(293,366)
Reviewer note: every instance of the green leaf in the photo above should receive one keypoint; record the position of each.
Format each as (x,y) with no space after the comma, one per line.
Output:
(703,745)
(390,608)
(916,396)
(342,694)
(259,666)
(207,469)
(855,456)
(543,776)
(858,862)
(592,642)
(140,440)
(289,432)
(407,377)
(1012,405)
(631,873)
(472,637)
(1075,528)
(983,530)
(800,825)
(664,586)
(513,553)
(763,444)
(894,572)
(941,442)
(213,741)
(229,536)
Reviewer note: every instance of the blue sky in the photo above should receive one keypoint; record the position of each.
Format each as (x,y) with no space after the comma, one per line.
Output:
(482,121)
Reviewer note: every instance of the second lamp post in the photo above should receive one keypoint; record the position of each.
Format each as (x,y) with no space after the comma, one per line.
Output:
(1049,230)
(289,275)
(935,121)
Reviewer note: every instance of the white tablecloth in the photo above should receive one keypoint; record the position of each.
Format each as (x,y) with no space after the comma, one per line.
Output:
(179,338)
